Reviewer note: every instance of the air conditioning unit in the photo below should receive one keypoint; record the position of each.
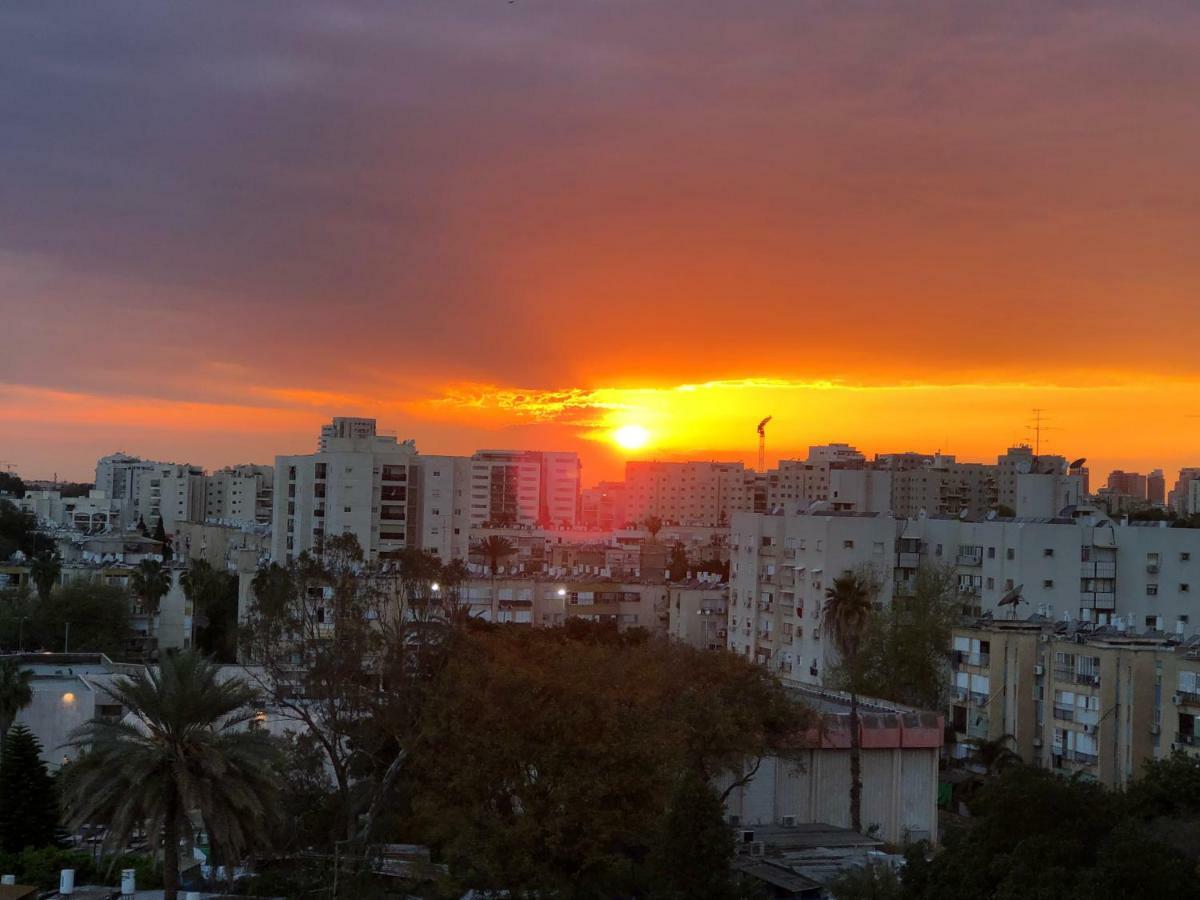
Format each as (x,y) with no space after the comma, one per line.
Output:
(1089,729)
(1176,699)
(788,821)
(758,848)
(1039,670)
(1156,729)
(1175,746)
(1037,742)
(1045,638)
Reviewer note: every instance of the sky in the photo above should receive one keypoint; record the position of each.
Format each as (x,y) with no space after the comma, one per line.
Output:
(533,223)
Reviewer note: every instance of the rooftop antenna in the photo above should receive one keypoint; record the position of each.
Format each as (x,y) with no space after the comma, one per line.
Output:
(762,443)
(1037,428)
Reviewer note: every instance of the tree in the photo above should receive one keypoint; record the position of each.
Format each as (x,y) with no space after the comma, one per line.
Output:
(653,524)
(16,693)
(45,571)
(150,582)
(693,848)
(678,563)
(98,615)
(905,648)
(995,755)
(18,531)
(28,801)
(849,602)
(495,548)
(214,597)
(185,755)
(160,535)
(547,758)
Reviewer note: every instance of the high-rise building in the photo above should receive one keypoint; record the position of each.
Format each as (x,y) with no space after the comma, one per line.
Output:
(363,485)
(524,487)
(687,493)
(603,506)
(1156,488)
(240,495)
(1129,484)
(1180,499)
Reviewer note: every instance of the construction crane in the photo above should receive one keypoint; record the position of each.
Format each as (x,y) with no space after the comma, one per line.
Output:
(762,443)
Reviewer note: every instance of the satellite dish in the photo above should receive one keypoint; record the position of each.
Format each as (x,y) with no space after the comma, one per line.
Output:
(1012,598)
(1078,464)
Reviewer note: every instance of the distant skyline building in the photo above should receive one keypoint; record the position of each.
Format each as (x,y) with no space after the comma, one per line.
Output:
(1129,484)
(1156,488)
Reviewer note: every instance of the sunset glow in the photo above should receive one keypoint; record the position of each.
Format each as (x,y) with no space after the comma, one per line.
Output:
(631,437)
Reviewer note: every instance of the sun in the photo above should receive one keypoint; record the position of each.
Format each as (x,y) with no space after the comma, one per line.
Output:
(631,437)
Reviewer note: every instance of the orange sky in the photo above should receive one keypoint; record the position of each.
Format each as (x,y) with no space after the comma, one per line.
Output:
(494,224)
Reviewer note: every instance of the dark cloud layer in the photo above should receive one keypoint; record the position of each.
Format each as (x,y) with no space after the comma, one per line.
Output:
(563,193)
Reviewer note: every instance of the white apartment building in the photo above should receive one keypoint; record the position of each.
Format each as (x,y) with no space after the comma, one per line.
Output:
(345,427)
(445,494)
(365,486)
(795,483)
(119,475)
(1090,569)
(524,487)
(239,495)
(687,493)
(171,492)
(91,514)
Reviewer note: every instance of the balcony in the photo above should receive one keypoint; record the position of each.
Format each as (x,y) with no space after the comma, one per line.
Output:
(1101,600)
(1152,568)
(1189,740)
(908,560)
(1087,678)
(1098,570)
(1063,714)
(1186,698)
(978,727)
(969,559)
(1088,759)
(971,659)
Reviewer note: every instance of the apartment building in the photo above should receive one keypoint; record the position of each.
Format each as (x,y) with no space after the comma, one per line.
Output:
(241,494)
(780,566)
(1088,568)
(119,476)
(549,602)
(687,493)
(1184,498)
(524,487)
(1093,702)
(170,492)
(361,485)
(94,513)
(697,612)
(444,485)
(603,506)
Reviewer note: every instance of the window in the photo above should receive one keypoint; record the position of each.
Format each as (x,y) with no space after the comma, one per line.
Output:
(1152,590)
(1184,557)
(1049,551)
(1048,583)
(319,473)
(991,552)
(1184,588)
(938,550)
(847,545)
(1010,553)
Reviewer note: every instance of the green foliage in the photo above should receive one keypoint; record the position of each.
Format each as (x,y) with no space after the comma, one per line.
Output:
(495,549)
(905,647)
(871,882)
(18,531)
(188,753)
(1037,835)
(45,570)
(11,484)
(678,565)
(150,582)
(98,613)
(28,801)
(546,758)
(693,848)
(214,597)
(160,535)
(16,693)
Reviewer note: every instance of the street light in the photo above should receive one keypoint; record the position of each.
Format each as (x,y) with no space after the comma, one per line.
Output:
(435,587)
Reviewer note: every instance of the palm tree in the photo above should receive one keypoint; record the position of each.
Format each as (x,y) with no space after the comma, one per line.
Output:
(150,583)
(495,548)
(848,605)
(995,755)
(653,524)
(195,580)
(16,693)
(183,753)
(45,571)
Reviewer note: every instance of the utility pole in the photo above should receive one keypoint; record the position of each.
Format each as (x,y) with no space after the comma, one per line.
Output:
(762,444)
(67,639)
